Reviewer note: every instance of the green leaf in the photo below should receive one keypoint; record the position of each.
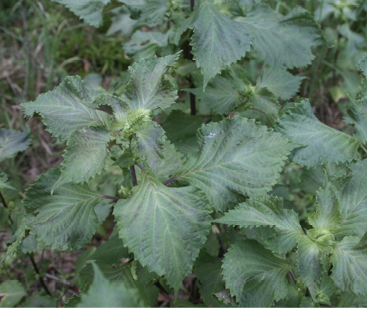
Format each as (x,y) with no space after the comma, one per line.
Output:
(3,181)
(226,91)
(85,156)
(39,301)
(88,10)
(282,41)
(145,44)
(350,266)
(150,141)
(67,108)
(310,263)
(327,218)
(11,293)
(157,219)
(72,302)
(209,272)
(103,294)
(149,11)
(218,41)
(171,163)
(357,116)
(267,211)
(112,251)
(353,202)
(131,274)
(149,87)
(321,143)
(232,163)
(180,126)
(254,275)
(12,142)
(280,82)
(351,300)
(66,220)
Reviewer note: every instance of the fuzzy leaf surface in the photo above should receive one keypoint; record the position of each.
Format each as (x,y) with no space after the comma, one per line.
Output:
(3,181)
(267,211)
(85,156)
(353,202)
(218,41)
(149,11)
(280,82)
(103,294)
(149,87)
(254,275)
(164,227)
(321,143)
(67,108)
(88,10)
(309,263)
(12,142)
(237,157)
(65,220)
(357,116)
(282,41)
(327,217)
(350,266)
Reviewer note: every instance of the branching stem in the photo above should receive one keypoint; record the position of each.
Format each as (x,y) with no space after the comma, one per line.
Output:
(40,278)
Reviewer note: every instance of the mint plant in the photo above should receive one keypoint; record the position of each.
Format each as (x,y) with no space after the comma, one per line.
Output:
(190,187)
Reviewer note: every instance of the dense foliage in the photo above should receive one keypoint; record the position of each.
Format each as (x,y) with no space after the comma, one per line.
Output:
(193,155)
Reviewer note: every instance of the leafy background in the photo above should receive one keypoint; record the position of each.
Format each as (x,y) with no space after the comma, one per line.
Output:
(42,42)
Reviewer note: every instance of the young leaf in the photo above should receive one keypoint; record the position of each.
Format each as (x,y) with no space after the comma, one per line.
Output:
(254,275)
(66,220)
(280,82)
(226,91)
(353,202)
(321,143)
(67,108)
(267,211)
(150,141)
(157,219)
(327,218)
(282,41)
(88,10)
(85,156)
(149,11)
(237,157)
(218,41)
(11,293)
(350,266)
(103,294)
(310,266)
(144,44)
(12,142)
(149,87)
(3,181)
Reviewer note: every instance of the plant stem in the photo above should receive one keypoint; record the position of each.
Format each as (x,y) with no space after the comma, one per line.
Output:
(133,175)
(40,278)
(5,206)
(192,4)
(292,275)
(110,197)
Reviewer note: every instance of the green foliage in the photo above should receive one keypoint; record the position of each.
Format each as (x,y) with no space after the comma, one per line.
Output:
(261,200)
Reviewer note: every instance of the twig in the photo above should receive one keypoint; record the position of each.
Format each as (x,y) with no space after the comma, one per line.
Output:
(40,278)
(164,293)
(110,197)
(133,175)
